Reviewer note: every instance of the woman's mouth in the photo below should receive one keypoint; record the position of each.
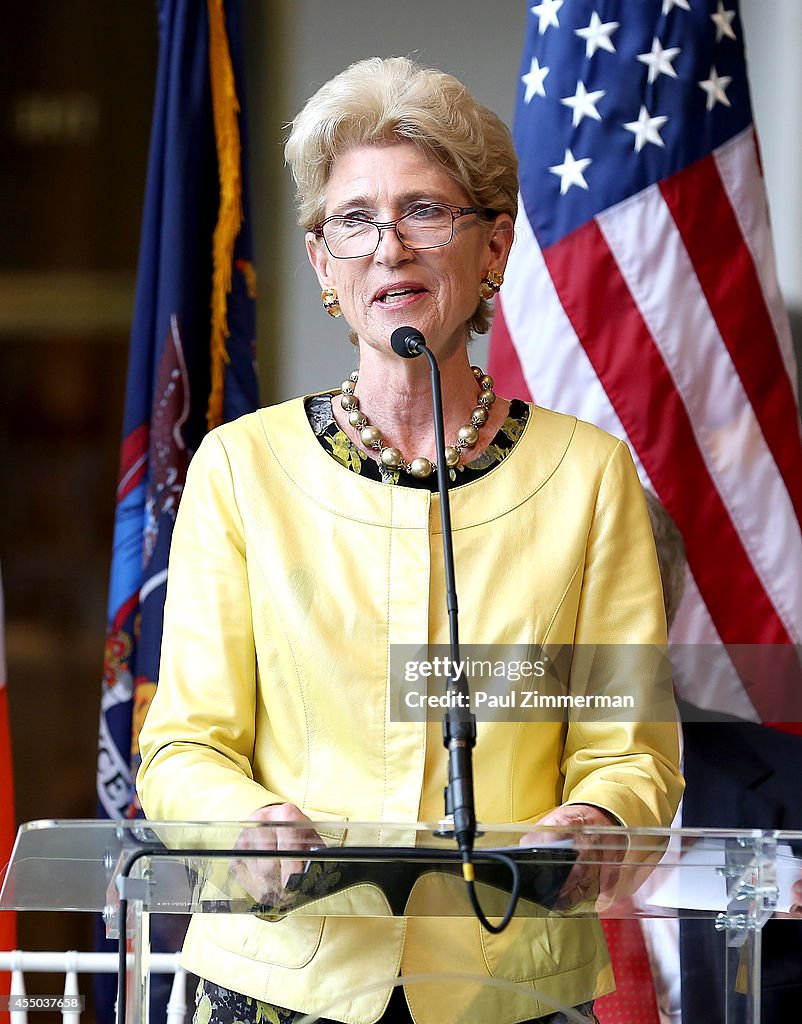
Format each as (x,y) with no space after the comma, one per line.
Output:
(397,296)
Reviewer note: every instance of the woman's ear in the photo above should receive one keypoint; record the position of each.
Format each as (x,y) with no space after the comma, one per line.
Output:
(500,241)
(318,256)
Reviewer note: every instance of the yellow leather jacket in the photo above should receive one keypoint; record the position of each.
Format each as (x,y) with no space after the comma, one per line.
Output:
(289,580)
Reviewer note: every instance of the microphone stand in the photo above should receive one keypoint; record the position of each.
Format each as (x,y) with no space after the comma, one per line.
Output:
(459,723)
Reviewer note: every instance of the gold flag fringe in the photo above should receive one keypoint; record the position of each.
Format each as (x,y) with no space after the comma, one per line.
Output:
(225,107)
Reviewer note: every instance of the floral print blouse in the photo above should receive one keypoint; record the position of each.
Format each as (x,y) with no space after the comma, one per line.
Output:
(342,448)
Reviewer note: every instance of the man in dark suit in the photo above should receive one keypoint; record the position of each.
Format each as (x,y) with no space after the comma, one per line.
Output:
(738,775)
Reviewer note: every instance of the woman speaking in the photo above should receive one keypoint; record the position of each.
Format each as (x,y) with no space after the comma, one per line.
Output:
(308,544)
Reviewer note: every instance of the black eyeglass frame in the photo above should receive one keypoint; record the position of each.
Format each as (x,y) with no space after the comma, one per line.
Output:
(455,211)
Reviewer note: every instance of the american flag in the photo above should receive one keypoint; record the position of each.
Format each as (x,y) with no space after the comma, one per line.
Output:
(641,295)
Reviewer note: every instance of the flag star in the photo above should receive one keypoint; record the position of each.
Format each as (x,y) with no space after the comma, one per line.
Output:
(659,60)
(546,14)
(715,87)
(646,129)
(583,103)
(723,22)
(533,80)
(570,171)
(597,35)
(668,4)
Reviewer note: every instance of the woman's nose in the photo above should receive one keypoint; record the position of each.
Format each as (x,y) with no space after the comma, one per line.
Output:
(391,250)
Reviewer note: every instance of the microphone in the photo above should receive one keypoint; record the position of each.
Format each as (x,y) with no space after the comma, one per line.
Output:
(459,724)
(408,342)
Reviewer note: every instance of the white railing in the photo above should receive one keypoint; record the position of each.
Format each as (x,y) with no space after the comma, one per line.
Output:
(72,963)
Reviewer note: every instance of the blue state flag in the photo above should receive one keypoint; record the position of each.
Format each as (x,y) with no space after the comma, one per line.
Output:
(191,362)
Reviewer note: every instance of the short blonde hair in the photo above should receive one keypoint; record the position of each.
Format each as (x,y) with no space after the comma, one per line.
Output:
(393,99)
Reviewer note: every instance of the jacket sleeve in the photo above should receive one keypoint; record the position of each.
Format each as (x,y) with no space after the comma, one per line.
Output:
(628,768)
(198,737)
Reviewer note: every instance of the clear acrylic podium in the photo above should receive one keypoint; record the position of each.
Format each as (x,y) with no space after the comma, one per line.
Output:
(129,871)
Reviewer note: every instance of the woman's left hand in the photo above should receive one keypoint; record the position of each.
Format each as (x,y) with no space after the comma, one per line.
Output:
(595,874)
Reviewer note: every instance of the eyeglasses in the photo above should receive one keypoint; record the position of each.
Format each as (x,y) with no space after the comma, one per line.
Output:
(348,238)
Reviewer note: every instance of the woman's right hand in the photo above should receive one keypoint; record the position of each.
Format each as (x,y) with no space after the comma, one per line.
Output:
(265,878)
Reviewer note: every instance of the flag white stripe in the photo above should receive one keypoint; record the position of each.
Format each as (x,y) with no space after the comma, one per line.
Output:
(642,233)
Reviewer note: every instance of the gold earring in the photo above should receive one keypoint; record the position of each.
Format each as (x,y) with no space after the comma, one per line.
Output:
(491,283)
(331,302)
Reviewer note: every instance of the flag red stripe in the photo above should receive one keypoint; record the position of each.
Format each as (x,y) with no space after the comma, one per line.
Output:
(733,291)
(504,366)
(642,391)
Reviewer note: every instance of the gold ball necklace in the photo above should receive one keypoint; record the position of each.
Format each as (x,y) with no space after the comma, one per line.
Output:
(419,467)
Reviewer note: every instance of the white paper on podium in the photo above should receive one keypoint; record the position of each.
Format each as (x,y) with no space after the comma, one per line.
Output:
(693,883)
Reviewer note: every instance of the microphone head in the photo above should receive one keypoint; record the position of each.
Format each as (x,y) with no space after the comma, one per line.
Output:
(407,342)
